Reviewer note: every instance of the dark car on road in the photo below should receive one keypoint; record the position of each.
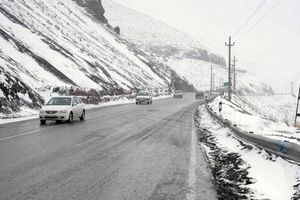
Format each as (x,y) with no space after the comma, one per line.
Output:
(178,94)
(199,95)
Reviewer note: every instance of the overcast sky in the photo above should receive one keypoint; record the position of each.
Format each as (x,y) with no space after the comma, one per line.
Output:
(272,47)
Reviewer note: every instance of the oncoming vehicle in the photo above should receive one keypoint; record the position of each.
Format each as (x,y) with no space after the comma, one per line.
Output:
(143,97)
(199,95)
(178,94)
(63,108)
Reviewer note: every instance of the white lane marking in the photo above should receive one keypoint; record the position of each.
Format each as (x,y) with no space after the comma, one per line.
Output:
(20,134)
(191,193)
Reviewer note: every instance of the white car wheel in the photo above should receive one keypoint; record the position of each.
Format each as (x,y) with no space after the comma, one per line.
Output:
(82,117)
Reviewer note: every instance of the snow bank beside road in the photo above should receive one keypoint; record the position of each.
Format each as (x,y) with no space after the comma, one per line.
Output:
(242,114)
(27,113)
(250,173)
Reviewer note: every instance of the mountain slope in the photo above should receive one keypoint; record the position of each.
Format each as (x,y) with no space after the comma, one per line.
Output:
(155,36)
(184,54)
(95,8)
(57,43)
(199,74)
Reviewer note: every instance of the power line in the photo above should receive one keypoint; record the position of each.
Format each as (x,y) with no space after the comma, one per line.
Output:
(249,18)
(260,20)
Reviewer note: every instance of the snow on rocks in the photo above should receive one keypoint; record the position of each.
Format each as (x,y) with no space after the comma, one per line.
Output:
(1,94)
(241,170)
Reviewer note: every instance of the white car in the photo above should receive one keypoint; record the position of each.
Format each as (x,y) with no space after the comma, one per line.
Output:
(143,97)
(178,94)
(63,108)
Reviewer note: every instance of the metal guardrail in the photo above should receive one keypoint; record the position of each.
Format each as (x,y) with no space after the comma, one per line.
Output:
(284,149)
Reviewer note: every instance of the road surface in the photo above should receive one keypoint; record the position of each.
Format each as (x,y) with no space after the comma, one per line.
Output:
(131,152)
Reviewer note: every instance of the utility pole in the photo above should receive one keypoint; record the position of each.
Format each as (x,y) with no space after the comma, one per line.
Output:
(234,73)
(297,112)
(211,78)
(229,45)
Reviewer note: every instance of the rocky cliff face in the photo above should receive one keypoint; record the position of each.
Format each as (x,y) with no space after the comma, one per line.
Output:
(94,7)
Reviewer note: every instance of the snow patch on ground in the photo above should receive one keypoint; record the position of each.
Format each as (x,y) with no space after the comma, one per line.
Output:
(25,114)
(25,97)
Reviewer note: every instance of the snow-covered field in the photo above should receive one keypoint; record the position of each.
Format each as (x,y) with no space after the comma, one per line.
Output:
(267,119)
(253,173)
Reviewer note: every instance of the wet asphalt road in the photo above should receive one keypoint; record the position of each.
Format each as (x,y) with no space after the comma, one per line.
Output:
(131,152)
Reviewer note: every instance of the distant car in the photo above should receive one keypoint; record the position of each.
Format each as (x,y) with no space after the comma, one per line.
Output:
(178,94)
(143,97)
(199,95)
(63,108)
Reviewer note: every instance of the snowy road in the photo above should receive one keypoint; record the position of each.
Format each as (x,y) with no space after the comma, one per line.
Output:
(120,152)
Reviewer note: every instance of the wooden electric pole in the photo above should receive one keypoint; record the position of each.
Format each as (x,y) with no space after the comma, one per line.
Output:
(234,73)
(229,67)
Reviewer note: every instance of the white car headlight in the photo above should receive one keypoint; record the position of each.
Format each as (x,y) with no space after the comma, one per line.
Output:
(63,111)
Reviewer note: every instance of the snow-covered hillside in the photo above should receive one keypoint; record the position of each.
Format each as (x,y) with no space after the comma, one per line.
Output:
(262,115)
(46,44)
(156,37)
(186,55)
(144,30)
(278,108)
(198,72)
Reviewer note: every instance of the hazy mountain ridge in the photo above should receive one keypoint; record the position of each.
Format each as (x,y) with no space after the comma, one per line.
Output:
(186,56)
(157,37)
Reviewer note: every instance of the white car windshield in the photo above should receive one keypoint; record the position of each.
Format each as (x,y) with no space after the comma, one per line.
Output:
(59,101)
